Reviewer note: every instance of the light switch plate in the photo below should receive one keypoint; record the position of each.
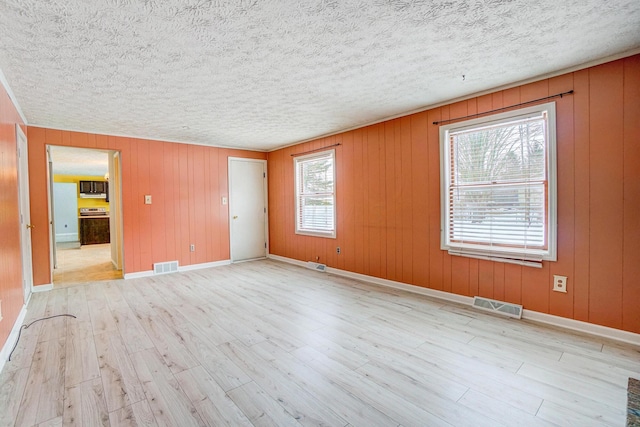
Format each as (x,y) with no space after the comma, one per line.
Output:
(147,199)
(224,200)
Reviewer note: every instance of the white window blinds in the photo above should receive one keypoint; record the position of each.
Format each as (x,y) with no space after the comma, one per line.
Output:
(315,194)
(497,199)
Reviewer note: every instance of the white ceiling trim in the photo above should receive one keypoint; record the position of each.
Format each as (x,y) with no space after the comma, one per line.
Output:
(12,97)
(478,94)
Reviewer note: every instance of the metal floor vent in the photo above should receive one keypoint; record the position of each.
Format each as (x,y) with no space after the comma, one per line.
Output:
(498,307)
(316,266)
(165,267)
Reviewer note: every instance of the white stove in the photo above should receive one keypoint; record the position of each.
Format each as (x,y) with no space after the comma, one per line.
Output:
(94,212)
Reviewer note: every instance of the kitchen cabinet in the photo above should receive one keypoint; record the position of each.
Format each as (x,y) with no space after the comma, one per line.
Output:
(94,188)
(94,231)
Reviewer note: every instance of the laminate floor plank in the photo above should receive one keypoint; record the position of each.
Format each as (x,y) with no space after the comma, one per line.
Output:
(415,391)
(55,327)
(225,371)
(43,397)
(170,344)
(121,384)
(268,343)
(169,404)
(563,416)
(54,422)
(613,397)
(211,401)
(203,317)
(131,330)
(294,399)
(81,359)
(260,408)
(102,319)
(136,415)
(500,412)
(12,386)
(376,395)
(84,405)
(343,403)
(596,371)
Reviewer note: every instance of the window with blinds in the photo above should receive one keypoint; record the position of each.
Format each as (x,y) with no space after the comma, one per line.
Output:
(498,195)
(315,194)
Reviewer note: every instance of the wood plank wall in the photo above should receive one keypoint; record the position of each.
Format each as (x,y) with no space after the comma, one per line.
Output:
(388,202)
(10,254)
(186,183)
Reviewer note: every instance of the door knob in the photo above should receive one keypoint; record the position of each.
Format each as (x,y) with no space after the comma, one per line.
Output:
(30,226)
(235,217)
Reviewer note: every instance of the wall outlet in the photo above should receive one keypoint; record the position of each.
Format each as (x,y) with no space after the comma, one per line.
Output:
(192,248)
(147,199)
(560,283)
(338,250)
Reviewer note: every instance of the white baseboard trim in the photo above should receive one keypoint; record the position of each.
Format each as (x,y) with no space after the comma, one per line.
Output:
(204,265)
(42,288)
(181,268)
(535,316)
(11,339)
(67,237)
(138,274)
(287,260)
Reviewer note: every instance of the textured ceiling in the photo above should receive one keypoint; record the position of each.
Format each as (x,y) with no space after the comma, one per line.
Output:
(263,74)
(78,161)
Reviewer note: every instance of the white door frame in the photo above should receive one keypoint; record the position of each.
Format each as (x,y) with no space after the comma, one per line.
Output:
(115,193)
(53,256)
(115,209)
(25,214)
(266,202)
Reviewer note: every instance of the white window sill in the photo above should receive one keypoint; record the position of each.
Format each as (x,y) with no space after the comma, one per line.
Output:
(329,235)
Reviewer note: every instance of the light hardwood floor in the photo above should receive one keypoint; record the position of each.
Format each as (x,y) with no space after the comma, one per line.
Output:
(88,263)
(267,344)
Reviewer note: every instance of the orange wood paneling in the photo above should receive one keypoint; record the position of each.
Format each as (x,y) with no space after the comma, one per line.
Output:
(561,304)
(407,201)
(389,202)
(186,183)
(606,199)
(10,254)
(429,266)
(392,199)
(580,283)
(631,212)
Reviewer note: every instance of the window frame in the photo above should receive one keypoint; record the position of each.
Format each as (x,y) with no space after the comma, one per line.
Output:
(297,160)
(518,255)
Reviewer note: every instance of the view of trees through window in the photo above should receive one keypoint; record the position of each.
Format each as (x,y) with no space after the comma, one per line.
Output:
(316,193)
(497,186)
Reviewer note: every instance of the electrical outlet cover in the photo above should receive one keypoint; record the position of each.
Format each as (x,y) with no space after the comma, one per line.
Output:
(560,283)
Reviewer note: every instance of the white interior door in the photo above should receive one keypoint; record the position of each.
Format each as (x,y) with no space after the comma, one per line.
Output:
(248,208)
(25,215)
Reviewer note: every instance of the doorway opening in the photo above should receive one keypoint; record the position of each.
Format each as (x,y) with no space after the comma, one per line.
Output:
(85,215)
